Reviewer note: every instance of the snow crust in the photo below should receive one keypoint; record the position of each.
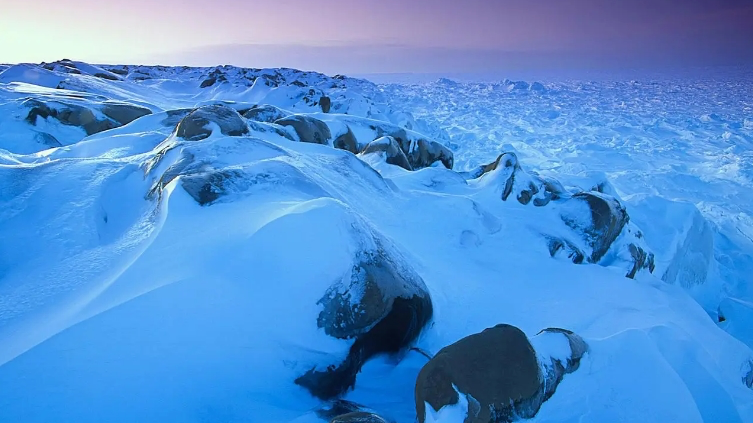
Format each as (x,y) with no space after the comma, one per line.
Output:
(123,302)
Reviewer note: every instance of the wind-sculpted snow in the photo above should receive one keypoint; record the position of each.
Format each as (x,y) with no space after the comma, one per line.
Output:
(680,152)
(215,261)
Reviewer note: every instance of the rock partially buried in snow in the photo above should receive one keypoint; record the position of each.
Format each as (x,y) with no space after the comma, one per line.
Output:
(748,378)
(494,368)
(69,114)
(390,150)
(194,126)
(383,306)
(424,153)
(124,113)
(309,129)
(265,113)
(358,417)
(605,220)
(326,103)
(347,141)
(498,371)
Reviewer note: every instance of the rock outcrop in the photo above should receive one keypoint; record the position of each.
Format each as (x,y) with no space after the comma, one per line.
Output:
(194,126)
(264,113)
(346,141)
(69,114)
(124,113)
(498,371)
(358,417)
(307,128)
(382,306)
(390,150)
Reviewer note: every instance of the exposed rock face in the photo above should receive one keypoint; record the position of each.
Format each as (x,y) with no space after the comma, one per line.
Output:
(69,114)
(494,368)
(383,306)
(47,139)
(748,378)
(193,127)
(124,113)
(420,152)
(264,113)
(607,218)
(358,417)
(326,103)
(642,260)
(308,129)
(499,373)
(526,188)
(391,150)
(596,217)
(347,141)
(555,368)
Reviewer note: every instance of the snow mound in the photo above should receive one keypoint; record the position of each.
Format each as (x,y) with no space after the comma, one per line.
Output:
(149,276)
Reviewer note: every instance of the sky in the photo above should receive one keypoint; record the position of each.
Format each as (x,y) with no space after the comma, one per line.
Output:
(383,36)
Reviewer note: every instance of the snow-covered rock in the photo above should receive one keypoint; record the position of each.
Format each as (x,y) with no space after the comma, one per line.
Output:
(148,277)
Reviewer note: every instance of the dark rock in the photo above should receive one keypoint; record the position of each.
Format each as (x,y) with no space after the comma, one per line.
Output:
(121,72)
(420,152)
(358,417)
(107,76)
(124,113)
(383,306)
(388,146)
(748,378)
(641,260)
(175,116)
(207,187)
(347,141)
(557,246)
(47,139)
(608,217)
(555,369)
(308,129)
(69,114)
(326,103)
(193,127)
(264,113)
(501,375)
(339,407)
(496,369)
(208,82)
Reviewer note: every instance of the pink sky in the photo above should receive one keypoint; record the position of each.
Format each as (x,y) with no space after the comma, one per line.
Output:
(380,35)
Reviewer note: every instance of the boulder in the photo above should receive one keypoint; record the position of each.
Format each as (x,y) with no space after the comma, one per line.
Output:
(124,113)
(496,370)
(347,141)
(308,128)
(554,366)
(264,113)
(603,223)
(499,372)
(383,305)
(69,114)
(526,188)
(423,153)
(358,417)
(326,103)
(193,127)
(641,260)
(390,149)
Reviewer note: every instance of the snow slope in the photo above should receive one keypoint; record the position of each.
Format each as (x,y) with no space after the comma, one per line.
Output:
(679,151)
(146,277)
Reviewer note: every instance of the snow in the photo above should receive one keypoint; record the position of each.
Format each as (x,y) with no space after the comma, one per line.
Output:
(119,305)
